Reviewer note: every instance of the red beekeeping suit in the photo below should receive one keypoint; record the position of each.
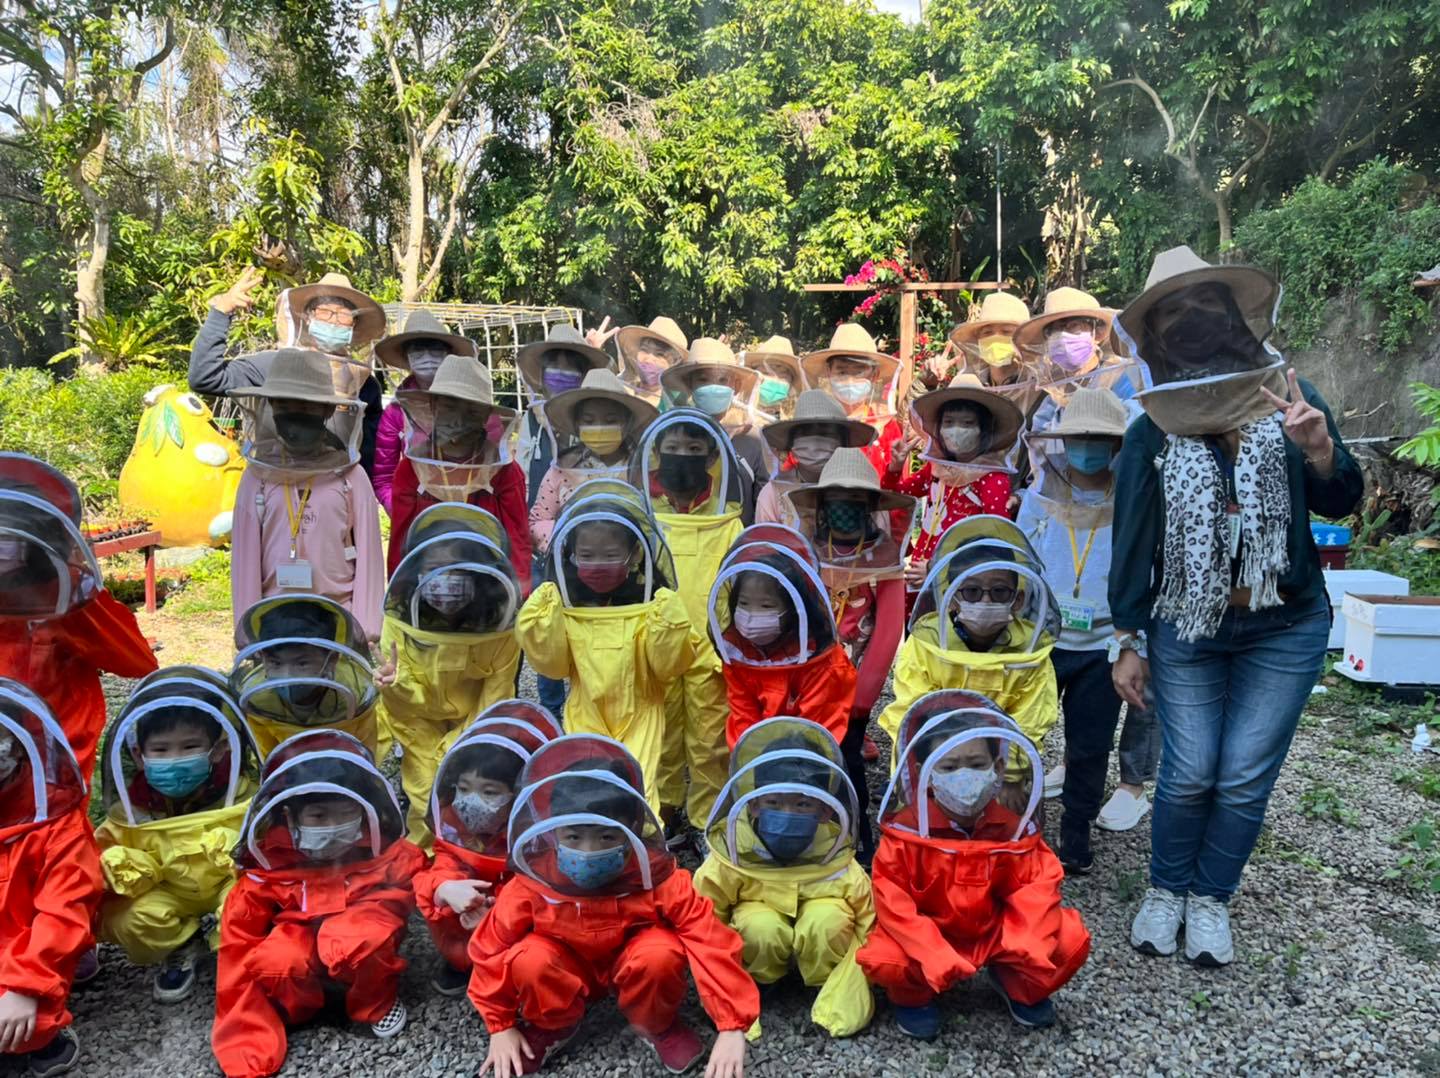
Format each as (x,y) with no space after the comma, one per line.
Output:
(505,500)
(452,863)
(50,882)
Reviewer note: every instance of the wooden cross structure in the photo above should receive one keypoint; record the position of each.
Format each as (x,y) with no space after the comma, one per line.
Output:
(909,310)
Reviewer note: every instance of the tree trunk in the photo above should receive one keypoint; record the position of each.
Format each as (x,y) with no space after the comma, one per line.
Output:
(415,234)
(90,257)
(1222,214)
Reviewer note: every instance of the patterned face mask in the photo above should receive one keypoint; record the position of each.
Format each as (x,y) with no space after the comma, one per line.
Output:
(590,870)
(845,518)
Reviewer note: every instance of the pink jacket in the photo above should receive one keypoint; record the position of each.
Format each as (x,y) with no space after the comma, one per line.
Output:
(339,537)
(389,447)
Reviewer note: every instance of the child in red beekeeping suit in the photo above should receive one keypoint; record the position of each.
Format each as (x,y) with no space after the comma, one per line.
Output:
(598,905)
(963,886)
(50,882)
(321,903)
(59,627)
(475,785)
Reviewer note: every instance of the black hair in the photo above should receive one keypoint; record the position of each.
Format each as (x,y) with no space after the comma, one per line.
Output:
(815,616)
(299,619)
(325,301)
(167,719)
(586,794)
(690,429)
(808,429)
(933,739)
(979,411)
(792,770)
(489,762)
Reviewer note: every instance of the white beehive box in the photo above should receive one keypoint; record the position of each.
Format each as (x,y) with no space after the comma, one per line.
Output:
(1392,639)
(1342,582)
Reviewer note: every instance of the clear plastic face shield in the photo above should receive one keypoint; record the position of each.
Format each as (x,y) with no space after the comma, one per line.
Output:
(1206,359)
(319,810)
(581,826)
(851,532)
(607,551)
(298,663)
(993,358)
(968,439)
(769,607)
(984,526)
(1072,353)
(864,386)
(686,464)
(39,776)
(457,518)
(46,566)
(455,446)
(296,439)
(780,383)
(477,781)
(535,720)
(309,742)
(773,535)
(950,768)
(724,392)
(985,589)
(606,430)
(788,803)
(177,747)
(644,357)
(454,583)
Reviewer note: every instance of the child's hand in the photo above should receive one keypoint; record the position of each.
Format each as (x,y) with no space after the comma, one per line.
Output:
(915,572)
(17,1020)
(505,1055)
(596,338)
(902,450)
(470,918)
(463,896)
(727,1055)
(385,673)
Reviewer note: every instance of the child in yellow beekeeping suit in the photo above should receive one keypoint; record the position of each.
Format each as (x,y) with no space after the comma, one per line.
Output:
(450,623)
(178,769)
(607,617)
(782,870)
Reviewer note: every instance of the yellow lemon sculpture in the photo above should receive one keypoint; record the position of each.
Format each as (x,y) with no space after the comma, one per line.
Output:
(182,473)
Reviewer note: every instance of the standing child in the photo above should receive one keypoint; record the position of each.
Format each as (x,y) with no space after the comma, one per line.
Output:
(782,869)
(321,902)
(801,446)
(608,619)
(475,786)
(179,769)
(598,905)
(647,352)
(306,520)
(770,621)
(59,627)
(962,883)
(781,379)
(548,368)
(303,663)
(50,882)
(450,622)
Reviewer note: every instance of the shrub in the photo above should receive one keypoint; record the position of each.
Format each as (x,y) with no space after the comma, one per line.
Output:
(84,426)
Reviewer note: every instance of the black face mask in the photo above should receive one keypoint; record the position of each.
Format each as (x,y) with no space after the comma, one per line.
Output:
(1203,341)
(683,473)
(300,431)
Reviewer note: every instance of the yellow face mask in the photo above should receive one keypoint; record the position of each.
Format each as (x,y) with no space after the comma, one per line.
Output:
(997,351)
(602,440)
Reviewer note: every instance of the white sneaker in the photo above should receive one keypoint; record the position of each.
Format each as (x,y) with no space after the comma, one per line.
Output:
(1207,932)
(1123,811)
(1157,922)
(392,1023)
(1055,782)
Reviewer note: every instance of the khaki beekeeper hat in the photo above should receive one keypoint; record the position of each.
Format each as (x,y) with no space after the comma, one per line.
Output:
(849,470)
(464,378)
(814,408)
(1061,304)
(422,326)
(1006,419)
(708,352)
(849,339)
(599,384)
(561,338)
(777,352)
(1000,313)
(630,338)
(369,315)
(1256,292)
(297,374)
(1091,413)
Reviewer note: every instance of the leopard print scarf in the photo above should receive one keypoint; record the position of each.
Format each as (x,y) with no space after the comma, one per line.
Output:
(1195,591)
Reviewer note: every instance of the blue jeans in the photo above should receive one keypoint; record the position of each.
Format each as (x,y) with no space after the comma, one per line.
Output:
(1228,710)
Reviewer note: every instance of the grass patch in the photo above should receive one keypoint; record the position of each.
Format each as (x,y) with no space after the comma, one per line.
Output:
(1419,864)
(1322,802)
(207,586)
(1410,937)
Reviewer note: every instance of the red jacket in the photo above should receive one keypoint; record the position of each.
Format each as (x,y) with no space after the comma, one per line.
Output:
(988,494)
(597,928)
(505,499)
(61,659)
(821,689)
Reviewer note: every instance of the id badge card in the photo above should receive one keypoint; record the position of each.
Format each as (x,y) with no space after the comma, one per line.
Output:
(1233,522)
(1077,615)
(295,576)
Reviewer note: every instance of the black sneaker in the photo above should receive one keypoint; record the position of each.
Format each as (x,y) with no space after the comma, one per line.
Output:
(175,979)
(57,1057)
(1075,853)
(449,981)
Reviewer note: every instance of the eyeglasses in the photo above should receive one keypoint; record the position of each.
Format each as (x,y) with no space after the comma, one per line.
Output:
(974,593)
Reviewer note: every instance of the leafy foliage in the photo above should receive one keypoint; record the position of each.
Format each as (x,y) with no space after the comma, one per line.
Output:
(118,343)
(1424,448)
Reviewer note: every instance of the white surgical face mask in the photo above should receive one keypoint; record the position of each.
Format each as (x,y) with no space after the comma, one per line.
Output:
(851,391)
(12,554)
(813,450)
(966,792)
(984,617)
(481,814)
(960,440)
(448,592)
(9,757)
(331,842)
(759,627)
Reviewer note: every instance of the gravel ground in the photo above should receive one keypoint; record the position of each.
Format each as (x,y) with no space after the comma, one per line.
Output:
(1337,970)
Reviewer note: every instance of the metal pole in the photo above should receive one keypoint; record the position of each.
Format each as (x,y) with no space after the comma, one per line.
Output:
(999,228)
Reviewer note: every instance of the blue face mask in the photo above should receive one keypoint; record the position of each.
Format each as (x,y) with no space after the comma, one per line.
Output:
(1088,456)
(713,400)
(588,870)
(331,338)
(773,391)
(786,835)
(178,776)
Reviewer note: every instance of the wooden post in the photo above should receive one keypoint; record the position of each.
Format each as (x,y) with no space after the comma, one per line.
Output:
(909,329)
